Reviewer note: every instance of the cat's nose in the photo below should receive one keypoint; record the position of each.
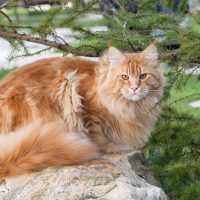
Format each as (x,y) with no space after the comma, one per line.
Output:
(134,89)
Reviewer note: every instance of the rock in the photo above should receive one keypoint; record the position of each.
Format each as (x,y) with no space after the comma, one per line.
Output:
(113,177)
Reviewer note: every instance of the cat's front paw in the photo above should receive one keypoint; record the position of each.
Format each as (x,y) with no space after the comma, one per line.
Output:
(109,148)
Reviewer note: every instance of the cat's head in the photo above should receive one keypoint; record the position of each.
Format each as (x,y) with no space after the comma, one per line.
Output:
(133,76)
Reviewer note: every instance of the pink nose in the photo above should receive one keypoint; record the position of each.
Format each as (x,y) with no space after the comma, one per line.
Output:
(134,89)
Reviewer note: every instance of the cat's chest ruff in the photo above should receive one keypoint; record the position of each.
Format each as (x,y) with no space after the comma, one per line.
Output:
(133,132)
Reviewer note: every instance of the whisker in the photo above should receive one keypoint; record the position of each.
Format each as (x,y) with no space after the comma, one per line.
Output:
(149,90)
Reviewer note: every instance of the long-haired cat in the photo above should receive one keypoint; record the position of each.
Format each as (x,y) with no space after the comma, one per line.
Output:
(63,111)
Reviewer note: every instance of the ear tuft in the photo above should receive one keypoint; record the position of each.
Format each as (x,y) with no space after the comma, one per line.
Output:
(115,56)
(151,53)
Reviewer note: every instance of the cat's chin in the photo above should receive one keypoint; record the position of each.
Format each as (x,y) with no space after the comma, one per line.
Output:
(134,97)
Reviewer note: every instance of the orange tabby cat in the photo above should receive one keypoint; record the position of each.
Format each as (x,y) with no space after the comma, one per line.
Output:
(63,111)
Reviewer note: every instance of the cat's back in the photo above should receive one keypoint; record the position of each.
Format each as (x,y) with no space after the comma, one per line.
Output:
(46,71)
(36,90)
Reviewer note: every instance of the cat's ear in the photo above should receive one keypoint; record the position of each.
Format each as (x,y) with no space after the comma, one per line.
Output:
(115,56)
(150,54)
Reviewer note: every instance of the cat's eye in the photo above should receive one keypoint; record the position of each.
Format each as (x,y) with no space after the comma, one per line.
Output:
(143,76)
(124,77)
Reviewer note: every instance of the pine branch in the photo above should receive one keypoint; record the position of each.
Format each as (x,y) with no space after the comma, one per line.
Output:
(64,47)
(37,40)
(5,4)
(183,98)
(16,27)
(31,54)
(9,19)
(126,35)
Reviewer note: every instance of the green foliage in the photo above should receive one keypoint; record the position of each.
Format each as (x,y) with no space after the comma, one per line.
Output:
(185,94)
(3,72)
(173,153)
(174,149)
(195,21)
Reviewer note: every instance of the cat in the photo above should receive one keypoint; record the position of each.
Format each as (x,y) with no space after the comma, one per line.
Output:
(65,110)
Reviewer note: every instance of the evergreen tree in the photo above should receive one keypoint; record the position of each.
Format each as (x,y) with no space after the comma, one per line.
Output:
(174,149)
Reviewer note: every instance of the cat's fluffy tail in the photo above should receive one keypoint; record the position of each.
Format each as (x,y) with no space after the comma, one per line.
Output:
(36,147)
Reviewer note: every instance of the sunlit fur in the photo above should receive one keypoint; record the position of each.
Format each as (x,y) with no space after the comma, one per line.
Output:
(63,111)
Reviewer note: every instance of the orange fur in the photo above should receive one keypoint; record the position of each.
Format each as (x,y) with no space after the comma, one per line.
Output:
(37,146)
(43,102)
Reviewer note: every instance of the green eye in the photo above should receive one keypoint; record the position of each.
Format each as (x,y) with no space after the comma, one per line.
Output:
(143,76)
(124,77)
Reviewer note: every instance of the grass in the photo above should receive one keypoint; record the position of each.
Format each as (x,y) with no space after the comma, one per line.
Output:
(194,21)
(3,72)
(181,98)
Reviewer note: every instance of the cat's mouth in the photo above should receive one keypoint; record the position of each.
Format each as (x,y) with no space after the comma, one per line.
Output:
(134,95)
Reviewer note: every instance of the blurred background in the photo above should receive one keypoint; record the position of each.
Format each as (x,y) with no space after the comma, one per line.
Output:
(34,29)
